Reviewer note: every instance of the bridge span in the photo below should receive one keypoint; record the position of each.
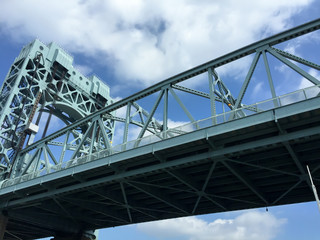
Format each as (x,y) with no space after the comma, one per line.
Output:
(239,157)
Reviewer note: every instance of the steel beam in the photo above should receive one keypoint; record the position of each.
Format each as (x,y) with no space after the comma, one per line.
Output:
(165,111)
(208,155)
(126,126)
(246,180)
(58,209)
(292,153)
(56,224)
(126,201)
(266,64)
(264,168)
(214,154)
(191,184)
(182,105)
(143,130)
(247,80)
(297,59)
(99,208)
(287,191)
(281,37)
(183,151)
(114,197)
(161,197)
(212,86)
(294,67)
(205,184)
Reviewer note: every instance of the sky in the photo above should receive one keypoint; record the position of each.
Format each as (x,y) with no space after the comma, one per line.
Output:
(134,44)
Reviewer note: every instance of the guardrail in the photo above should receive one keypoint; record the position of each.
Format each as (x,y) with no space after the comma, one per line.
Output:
(273,103)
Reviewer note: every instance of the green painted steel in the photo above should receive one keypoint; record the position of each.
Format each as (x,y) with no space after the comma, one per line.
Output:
(179,176)
(46,72)
(36,159)
(223,162)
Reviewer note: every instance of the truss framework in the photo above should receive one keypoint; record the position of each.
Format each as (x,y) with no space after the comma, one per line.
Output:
(42,79)
(215,167)
(86,139)
(248,166)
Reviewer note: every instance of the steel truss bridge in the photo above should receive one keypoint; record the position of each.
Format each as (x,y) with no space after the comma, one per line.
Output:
(117,163)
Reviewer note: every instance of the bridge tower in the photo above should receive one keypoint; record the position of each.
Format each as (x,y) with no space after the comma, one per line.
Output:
(41,80)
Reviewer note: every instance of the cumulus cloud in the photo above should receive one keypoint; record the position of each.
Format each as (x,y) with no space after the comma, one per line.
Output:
(304,83)
(85,70)
(147,41)
(247,226)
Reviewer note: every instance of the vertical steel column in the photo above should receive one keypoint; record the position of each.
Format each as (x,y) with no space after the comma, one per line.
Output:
(64,148)
(165,113)
(105,137)
(266,64)
(126,126)
(47,125)
(93,136)
(212,99)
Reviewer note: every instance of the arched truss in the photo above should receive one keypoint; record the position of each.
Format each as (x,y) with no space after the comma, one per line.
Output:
(42,79)
(85,140)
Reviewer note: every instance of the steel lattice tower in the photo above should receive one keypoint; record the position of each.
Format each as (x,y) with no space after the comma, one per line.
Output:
(43,79)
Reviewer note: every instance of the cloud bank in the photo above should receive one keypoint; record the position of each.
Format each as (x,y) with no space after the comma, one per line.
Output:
(247,226)
(143,42)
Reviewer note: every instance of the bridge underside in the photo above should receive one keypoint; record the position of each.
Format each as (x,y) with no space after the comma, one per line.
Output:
(252,162)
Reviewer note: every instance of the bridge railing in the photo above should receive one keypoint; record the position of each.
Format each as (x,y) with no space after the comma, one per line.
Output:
(287,99)
(152,110)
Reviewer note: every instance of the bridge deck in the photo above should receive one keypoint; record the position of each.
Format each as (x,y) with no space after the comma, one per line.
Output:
(251,162)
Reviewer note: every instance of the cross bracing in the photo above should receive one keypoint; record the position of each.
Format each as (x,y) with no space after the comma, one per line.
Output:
(226,167)
(240,155)
(85,138)
(42,79)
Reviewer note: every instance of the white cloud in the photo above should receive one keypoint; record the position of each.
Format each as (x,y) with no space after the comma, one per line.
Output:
(249,225)
(258,90)
(304,83)
(147,41)
(294,46)
(85,70)
(174,124)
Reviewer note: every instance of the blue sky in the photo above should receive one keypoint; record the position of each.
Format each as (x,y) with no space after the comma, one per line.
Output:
(134,44)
